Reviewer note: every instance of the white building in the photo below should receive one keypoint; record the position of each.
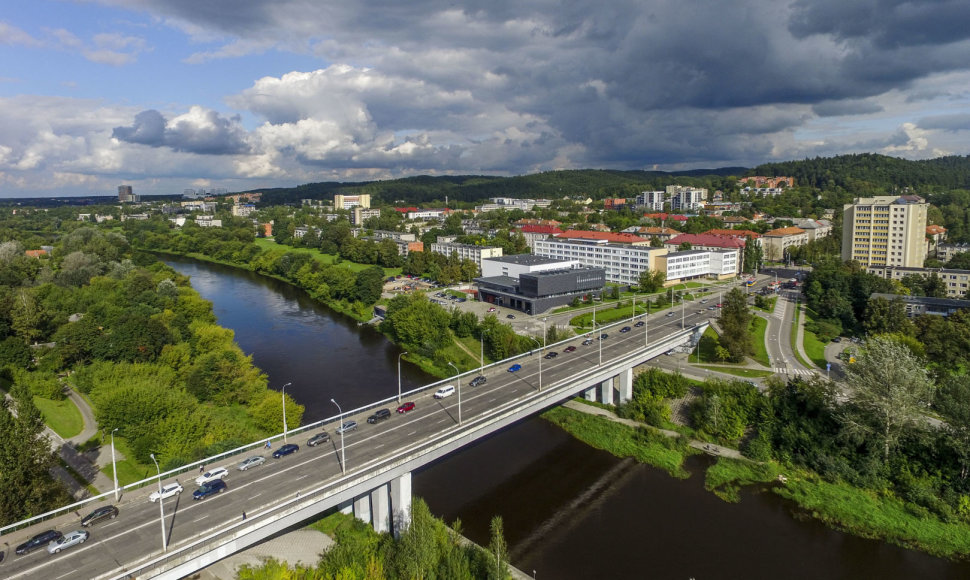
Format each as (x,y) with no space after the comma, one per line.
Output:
(359,214)
(467,251)
(243,210)
(506,203)
(623,263)
(693,264)
(651,200)
(351,201)
(513,266)
(208,221)
(683,198)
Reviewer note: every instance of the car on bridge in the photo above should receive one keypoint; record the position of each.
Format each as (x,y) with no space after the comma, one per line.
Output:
(515,368)
(625,329)
(286,450)
(67,540)
(347,427)
(551,354)
(479,380)
(445,391)
(40,540)
(639,323)
(108,512)
(321,437)
(254,461)
(569,349)
(669,314)
(405,407)
(211,475)
(604,336)
(213,487)
(167,492)
(588,342)
(379,415)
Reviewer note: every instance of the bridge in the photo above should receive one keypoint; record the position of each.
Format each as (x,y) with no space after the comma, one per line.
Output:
(367,471)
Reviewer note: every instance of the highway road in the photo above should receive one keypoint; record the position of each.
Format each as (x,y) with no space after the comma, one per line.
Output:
(136,535)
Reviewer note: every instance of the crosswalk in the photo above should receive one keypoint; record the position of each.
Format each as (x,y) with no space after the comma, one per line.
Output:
(788,371)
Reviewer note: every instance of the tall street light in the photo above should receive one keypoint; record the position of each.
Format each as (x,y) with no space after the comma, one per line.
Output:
(283,396)
(536,340)
(458,382)
(399,376)
(343,458)
(161,503)
(114,468)
(598,338)
(543,352)
(482,355)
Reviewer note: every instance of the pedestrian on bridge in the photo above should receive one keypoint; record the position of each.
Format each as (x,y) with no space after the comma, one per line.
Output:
(202,468)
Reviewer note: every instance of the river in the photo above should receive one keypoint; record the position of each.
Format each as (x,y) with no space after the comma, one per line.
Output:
(569,511)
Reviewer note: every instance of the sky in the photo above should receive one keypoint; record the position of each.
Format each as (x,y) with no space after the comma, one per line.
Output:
(168,95)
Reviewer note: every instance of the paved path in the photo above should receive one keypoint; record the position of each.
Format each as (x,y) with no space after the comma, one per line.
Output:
(90,423)
(706,447)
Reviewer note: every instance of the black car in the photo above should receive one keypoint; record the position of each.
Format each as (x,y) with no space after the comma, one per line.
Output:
(625,329)
(510,316)
(604,336)
(379,415)
(321,437)
(479,380)
(108,512)
(207,489)
(38,541)
(551,354)
(639,324)
(286,450)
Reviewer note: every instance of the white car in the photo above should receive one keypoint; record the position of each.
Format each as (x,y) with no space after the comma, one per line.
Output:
(445,391)
(167,491)
(212,474)
(253,461)
(67,540)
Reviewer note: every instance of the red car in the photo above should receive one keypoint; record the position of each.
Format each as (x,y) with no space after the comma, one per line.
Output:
(569,349)
(409,406)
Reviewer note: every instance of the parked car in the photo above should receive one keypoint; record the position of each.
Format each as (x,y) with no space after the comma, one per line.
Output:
(211,475)
(711,308)
(625,329)
(704,301)
(286,450)
(210,488)
(254,461)
(588,342)
(479,380)
(404,408)
(639,323)
(701,311)
(379,415)
(551,354)
(510,316)
(569,349)
(347,427)
(167,492)
(515,368)
(108,512)
(492,309)
(40,540)
(67,540)
(321,437)
(445,391)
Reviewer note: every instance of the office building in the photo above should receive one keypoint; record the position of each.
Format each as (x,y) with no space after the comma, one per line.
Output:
(885,230)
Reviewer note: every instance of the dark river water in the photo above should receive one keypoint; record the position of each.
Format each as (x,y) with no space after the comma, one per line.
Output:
(569,511)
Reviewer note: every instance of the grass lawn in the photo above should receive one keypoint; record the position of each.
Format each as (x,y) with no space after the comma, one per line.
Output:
(758,327)
(726,477)
(814,348)
(738,371)
(62,417)
(707,345)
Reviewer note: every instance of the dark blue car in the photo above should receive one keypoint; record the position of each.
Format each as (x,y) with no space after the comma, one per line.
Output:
(214,486)
(286,450)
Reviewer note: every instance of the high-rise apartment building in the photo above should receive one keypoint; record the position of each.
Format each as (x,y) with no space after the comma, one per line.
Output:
(885,230)
(351,201)
(125,194)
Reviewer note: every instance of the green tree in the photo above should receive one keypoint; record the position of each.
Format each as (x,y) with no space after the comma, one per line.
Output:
(370,284)
(889,392)
(651,280)
(499,567)
(883,316)
(735,322)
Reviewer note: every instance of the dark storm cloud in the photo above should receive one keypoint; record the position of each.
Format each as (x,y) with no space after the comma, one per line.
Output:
(199,131)
(957,122)
(840,108)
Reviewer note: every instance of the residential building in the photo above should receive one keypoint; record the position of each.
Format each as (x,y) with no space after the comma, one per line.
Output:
(351,201)
(742,235)
(534,284)
(126,195)
(957,282)
(775,243)
(683,198)
(935,235)
(762,181)
(467,251)
(359,214)
(604,236)
(945,252)
(612,203)
(531,233)
(763,191)
(243,210)
(207,221)
(623,263)
(706,242)
(651,232)
(651,200)
(693,264)
(885,230)
(196,205)
(816,229)
(506,203)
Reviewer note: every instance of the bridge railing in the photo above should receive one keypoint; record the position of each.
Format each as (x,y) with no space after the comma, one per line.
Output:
(260,445)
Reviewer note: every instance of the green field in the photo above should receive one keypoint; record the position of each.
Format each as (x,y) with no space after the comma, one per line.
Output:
(62,416)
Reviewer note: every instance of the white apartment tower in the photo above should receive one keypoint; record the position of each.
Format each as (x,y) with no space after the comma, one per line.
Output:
(885,230)
(683,198)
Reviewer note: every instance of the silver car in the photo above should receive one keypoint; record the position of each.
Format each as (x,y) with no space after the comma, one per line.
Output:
(67,540)
(253,461)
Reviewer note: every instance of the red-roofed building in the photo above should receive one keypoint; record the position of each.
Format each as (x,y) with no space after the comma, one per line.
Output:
(536,232)
(776,242)
(705,242)
(604,236)
(651,232)
(663,217)
(536,222)
(405,210)
(614,203)
(738,234)
(35,253)
(935,235)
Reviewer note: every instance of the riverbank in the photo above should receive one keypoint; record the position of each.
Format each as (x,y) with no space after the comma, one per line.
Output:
(838,505)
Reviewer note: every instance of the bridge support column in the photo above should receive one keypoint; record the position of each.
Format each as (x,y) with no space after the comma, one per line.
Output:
(590,394)
(380,510)
(401,504)
(626,385)
(362,508)
(346,507)
(606,392)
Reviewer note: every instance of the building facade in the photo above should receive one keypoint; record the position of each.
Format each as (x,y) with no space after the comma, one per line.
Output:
(885,230)
(351,201)
(467,251)
(651,200)
(683,198)
(622,263)
(535,284)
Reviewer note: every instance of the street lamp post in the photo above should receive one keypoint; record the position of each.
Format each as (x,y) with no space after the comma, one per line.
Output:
(482,354)
(114,468)
(534,339)
(543,352)
(598,339)
(161,503)
(283,396)
(683,311)
(343,456)
(458,382)
(399,376)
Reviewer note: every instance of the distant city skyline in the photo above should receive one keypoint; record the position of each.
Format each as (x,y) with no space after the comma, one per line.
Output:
(168,95)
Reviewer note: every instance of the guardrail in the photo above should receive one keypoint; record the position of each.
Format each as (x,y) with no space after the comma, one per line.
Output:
(261,444)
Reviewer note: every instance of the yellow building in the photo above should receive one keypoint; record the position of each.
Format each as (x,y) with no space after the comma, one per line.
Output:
(885,230)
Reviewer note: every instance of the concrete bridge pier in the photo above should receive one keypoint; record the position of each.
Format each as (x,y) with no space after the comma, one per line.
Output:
(606,392)
(380,509)
(626,385)
(387,508)
(401,503)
